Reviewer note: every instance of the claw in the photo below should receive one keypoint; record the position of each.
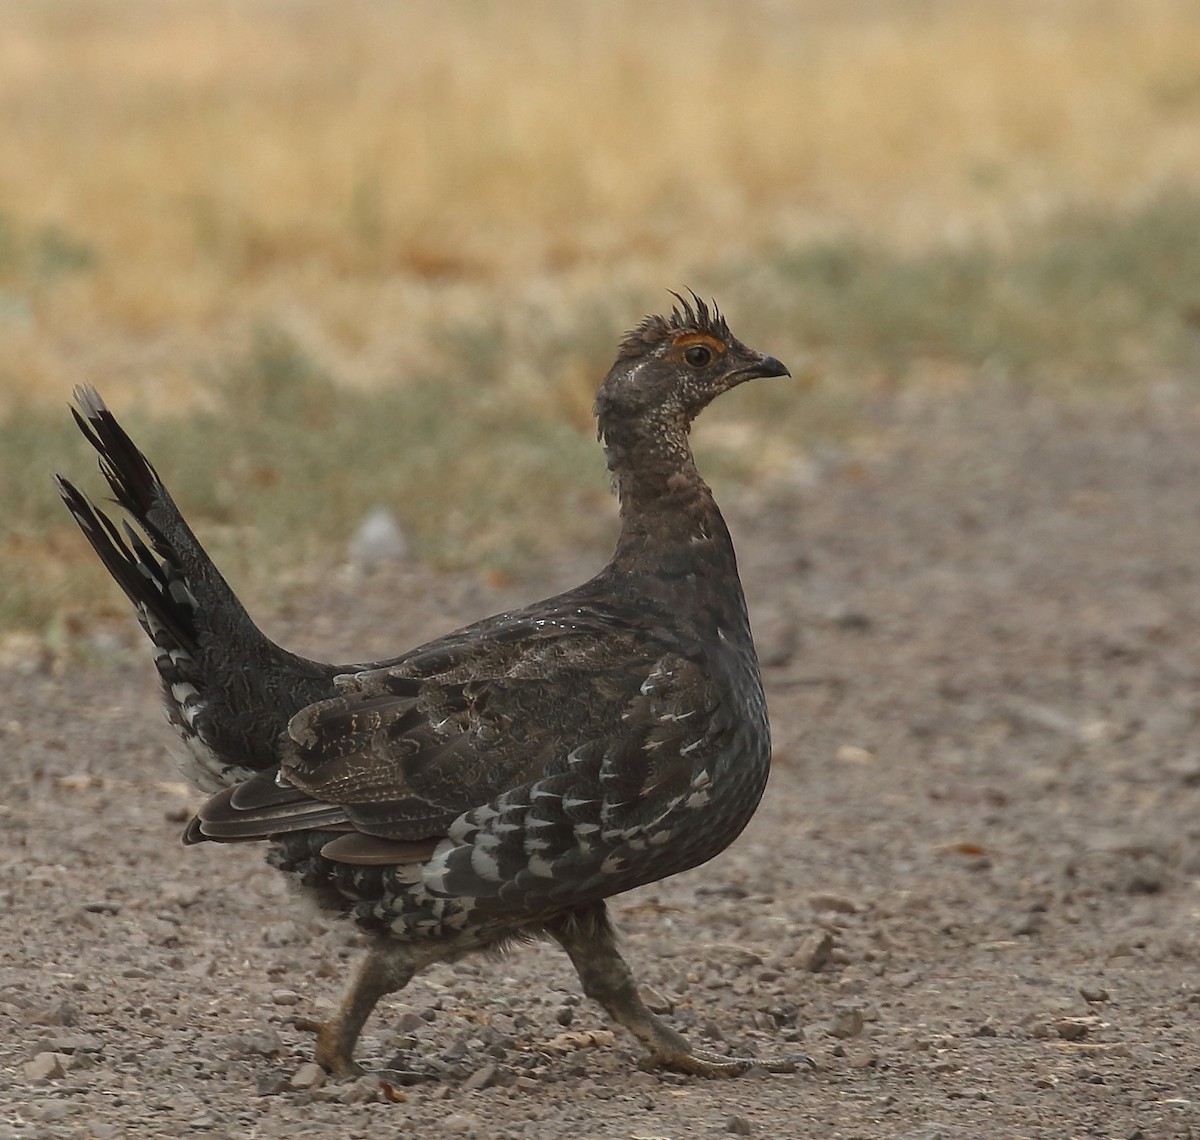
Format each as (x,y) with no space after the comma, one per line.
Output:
(588,940)
(330,1052)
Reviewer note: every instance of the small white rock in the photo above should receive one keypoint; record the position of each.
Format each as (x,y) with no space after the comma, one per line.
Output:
(378,541)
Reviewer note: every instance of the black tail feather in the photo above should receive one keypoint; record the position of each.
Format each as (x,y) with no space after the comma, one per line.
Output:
(135,483)
(145,580)
(129,473)
(228,689)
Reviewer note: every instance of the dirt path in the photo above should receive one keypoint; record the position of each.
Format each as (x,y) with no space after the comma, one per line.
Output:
(971,895)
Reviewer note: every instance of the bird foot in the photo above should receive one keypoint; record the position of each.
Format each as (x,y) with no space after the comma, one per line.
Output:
(702,1063)
(331,1052)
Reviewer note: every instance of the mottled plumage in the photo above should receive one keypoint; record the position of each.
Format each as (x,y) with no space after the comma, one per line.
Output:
(507,778)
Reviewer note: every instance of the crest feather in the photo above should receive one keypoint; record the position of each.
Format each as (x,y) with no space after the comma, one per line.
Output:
(687,316)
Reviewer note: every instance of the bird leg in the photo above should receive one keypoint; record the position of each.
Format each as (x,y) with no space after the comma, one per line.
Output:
(587,937)
(388,967)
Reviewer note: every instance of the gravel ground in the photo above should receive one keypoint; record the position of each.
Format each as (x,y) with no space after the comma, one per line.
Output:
(970,895)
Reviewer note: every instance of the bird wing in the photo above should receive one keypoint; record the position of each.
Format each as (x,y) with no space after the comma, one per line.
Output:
(407,748)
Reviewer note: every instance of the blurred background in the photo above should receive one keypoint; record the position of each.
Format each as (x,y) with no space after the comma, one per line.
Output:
(320,257)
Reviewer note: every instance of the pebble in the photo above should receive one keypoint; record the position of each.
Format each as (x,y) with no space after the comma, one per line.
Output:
(63,1013)
(285,997)
(308,1076)
(365,1090)
(483,1078)
(47,1067)
(655,1001)
(861,1057)
(847,1022)
(854,754)
(263,1042)
(504,1024)
(409,1022)
(182,895)
(1093,994)
(278,934)
(75,1043)
(740,956)
(840,904)
(738,1125)
(1071,1028)
(102,907)
(813,951)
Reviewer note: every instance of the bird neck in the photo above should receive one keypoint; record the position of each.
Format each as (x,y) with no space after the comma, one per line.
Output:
(667,510)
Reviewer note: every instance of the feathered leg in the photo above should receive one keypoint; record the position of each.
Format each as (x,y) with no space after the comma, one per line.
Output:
(389,966)
(587,937)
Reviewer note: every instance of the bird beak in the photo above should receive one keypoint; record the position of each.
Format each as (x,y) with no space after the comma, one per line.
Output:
(765,367)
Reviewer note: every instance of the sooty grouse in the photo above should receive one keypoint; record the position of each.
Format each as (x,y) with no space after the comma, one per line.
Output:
(504,780)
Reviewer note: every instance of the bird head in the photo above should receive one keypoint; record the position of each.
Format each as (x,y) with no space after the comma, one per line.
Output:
(669,369)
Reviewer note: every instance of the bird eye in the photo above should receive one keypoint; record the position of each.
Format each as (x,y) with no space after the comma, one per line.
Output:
(698,355)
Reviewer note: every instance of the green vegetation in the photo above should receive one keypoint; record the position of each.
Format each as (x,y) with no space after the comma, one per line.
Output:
(288,463)
(1089,297)
(38,255)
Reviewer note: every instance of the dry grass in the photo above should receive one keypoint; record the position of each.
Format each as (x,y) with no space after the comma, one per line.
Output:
(424,198)
(176,171)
